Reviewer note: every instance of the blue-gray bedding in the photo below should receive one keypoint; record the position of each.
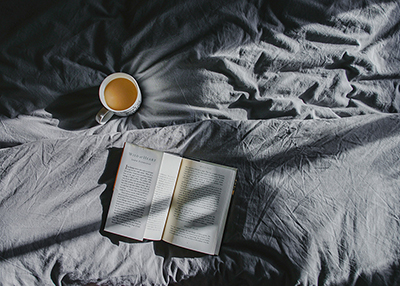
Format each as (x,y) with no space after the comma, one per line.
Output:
(302,96)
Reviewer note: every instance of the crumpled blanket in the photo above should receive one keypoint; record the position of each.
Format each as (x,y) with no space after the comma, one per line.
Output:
(301,96)
(315,204)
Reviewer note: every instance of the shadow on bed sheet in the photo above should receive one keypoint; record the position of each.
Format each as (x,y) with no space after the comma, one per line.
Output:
(289,14)
(16,13)
(76,110)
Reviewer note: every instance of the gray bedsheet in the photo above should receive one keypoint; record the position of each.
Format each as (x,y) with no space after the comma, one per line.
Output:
(301,96)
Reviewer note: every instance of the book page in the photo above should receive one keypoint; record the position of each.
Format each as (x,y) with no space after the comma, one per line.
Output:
(199,207)
(162,197)
(133,191)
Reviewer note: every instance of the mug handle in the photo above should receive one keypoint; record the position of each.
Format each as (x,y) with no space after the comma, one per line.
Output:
(103,115)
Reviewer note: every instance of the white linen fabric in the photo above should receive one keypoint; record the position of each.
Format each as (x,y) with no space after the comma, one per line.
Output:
(301,96)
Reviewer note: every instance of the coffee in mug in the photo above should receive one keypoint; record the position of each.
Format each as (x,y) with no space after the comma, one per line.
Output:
(120,95)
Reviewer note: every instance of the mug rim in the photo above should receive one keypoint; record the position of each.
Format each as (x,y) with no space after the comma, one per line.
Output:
(110,78)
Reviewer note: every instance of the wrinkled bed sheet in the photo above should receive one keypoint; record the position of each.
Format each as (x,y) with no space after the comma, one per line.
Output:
(301,96)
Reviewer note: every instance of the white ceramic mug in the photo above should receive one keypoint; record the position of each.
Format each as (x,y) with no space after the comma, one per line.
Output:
(107,111)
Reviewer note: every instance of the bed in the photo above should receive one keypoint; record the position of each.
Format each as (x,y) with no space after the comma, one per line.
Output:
(301,96)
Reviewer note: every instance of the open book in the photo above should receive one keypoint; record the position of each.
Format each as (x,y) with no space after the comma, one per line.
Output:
(160,196)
